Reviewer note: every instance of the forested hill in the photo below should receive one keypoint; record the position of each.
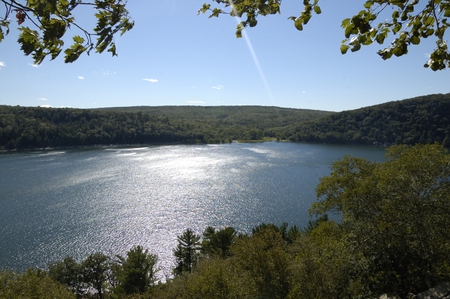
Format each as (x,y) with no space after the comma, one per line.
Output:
(424,119)
(34,127)
(419,120)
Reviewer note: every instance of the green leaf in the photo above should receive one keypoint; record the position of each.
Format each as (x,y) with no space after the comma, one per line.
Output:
(428,32)
(429,21)
(366,41)
(29,40)
(400,50)
(397,28)
(345,23)
(349,30)
(204,8)
(447,12)
(415,40)
(74,52)
(356,46)
(112,49)
(440,32)
(253,23)
(317,10)
(385,54)
(275,8)
(239,29)
(78,39)
(305,18)
(356,21)
(216,12)
(344,48)
(409,8)
(368,4)
(299,24)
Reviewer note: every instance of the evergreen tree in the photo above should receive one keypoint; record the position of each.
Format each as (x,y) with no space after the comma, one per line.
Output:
(218,242)
(186,252)
(137,271)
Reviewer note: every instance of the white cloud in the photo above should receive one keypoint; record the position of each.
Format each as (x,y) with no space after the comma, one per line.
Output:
(2,64)
(196,102)
(42,99)
(218,87)
(81,77)
(150,80)
(107,72)
(46,106)
(33,65)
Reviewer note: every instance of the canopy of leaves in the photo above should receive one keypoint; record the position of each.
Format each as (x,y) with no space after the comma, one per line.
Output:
(45,24)
(34,284)
(395,215)
(408,22)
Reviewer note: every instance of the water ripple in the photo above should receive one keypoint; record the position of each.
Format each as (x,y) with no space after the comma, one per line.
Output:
(78,202)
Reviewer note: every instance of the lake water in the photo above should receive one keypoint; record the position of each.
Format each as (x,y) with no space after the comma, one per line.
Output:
(77,202)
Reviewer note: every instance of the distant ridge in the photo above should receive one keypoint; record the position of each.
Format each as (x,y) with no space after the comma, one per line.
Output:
(35,127)
(424,119)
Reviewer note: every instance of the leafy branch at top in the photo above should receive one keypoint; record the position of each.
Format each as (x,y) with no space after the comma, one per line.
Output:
(251,8)
(51,20)
(409,22)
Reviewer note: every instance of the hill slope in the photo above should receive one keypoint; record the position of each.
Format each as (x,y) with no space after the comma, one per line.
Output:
(34,127)
(424,119)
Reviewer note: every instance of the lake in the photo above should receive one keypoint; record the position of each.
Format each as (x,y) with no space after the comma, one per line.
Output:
(80,201)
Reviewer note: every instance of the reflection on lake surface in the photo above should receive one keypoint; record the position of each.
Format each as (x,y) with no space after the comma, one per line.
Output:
(77,202)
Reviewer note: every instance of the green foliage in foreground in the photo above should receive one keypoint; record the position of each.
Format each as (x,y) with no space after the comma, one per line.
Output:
(44,26)
(33,284)
(393,238)
(408,22)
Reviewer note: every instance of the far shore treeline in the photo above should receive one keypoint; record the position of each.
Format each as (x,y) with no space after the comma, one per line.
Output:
(422,120)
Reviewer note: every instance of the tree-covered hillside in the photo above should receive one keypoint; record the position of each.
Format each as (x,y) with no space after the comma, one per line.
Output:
(34,127)
(418,120)
(422,119)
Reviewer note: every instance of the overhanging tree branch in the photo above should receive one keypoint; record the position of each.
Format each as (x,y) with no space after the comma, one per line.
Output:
(52,19)
(361,29)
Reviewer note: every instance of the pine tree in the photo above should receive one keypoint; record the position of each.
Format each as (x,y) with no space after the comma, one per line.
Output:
(186,252)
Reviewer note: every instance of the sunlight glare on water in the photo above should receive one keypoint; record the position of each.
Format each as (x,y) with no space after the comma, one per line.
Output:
(78,202)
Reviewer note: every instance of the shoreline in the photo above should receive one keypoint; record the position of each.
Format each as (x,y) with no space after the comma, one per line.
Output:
(131,145)
(91,146)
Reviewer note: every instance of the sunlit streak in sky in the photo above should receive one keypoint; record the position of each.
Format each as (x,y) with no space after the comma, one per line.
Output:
(255,58)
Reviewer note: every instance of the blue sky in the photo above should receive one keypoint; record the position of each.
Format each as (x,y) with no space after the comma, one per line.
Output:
(175,57)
